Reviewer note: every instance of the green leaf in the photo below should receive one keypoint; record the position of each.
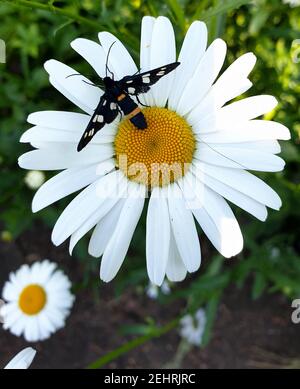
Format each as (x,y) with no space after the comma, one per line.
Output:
(211,311)
(221,8)
(132,344)
(259,285)
(178,12)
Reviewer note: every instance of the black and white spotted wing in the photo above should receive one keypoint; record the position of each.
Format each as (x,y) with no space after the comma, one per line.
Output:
(105,113)
(116,98)
(140,83)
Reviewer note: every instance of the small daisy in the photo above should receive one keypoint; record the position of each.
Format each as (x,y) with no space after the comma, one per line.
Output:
(34,179)
(194,154)
(38,300)
(153,290)
(22,360)
(192,327)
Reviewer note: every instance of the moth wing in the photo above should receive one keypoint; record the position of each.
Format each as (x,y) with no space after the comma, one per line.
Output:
(105,113)
(141,83)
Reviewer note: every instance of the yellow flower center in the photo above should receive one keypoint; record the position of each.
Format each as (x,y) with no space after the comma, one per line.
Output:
(158,155)
(32,299)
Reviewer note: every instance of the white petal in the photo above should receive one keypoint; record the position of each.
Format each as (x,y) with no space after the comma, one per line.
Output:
(264,146)
(67,182)
(204,76)
(184,230)
(120,61)
(216,219)
(238,112)
(240,68)
(43,135)
(244,182)
(64,156)
(18,327)
(85,204)
(236,197)
(10,292)
(104,230)
(145,51)
(31,333)
(10,318)
(118,245)
(232,83)
(176,271)
(82,94)
(68,121)
(191,52)
(157,236)
(163,52)
(22,360)
(103,209)
(238,158)
(218,95)
(92,52)
(253,130)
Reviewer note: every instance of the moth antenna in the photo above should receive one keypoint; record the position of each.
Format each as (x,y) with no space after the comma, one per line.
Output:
(106,64)
(74,74)
(90,83)
(218,152)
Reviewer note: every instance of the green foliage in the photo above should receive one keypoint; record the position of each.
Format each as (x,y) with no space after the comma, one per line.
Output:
(267,27)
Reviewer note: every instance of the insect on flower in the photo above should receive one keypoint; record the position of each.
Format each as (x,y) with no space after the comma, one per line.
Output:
(197,153)
(116,99)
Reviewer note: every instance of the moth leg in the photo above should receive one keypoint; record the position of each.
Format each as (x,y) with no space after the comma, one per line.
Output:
(121,113)
(139,101)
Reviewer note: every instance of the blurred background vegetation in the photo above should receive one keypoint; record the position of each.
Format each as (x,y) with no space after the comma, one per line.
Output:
(269,28)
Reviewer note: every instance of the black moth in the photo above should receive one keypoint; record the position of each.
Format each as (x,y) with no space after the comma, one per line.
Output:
(116,99)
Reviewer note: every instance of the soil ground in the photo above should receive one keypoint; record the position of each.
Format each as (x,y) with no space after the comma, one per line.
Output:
(247,334)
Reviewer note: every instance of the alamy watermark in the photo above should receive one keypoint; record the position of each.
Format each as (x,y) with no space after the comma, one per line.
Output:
(295,317)
(295,49)
(2,51)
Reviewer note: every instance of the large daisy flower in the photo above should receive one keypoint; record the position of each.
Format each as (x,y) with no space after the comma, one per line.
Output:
(38,300)
(212,145)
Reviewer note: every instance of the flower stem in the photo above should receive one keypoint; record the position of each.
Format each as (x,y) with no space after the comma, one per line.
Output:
(157,332)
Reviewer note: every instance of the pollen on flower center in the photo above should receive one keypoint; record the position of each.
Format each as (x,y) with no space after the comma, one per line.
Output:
(32,299)
(158,155)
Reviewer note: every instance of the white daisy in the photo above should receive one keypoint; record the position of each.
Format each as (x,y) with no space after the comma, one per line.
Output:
(34,179)
(22,360)
(192,327)
(188,126)
(38,300)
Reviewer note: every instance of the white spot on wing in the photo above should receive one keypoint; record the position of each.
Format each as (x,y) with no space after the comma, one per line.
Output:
(113,106)
(160,73)
(131,90)
(100,119)
(146,80)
